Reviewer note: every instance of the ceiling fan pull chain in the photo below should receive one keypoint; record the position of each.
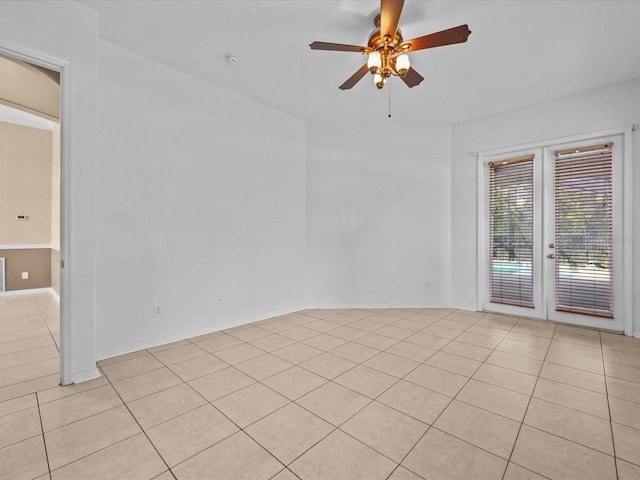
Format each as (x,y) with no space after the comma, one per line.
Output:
(389,101)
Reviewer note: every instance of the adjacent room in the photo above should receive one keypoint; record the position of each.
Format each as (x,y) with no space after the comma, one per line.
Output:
(29,227)
(355,239)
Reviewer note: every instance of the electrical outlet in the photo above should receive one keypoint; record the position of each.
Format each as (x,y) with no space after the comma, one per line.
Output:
(25,275)
(157,311)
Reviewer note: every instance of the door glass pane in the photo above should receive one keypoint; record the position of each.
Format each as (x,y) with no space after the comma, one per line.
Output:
(511,232)
(584,280)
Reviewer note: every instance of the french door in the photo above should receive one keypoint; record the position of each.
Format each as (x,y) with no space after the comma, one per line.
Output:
(550,218)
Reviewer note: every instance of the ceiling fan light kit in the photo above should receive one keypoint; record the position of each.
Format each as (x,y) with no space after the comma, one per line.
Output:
(387,50)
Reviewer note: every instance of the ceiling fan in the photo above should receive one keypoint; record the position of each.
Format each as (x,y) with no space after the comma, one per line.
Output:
(387,50)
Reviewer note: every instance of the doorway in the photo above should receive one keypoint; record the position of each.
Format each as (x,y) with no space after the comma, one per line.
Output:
(552,218)
(30,99)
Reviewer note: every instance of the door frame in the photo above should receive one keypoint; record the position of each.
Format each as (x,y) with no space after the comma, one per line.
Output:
(627,212)
(63,67)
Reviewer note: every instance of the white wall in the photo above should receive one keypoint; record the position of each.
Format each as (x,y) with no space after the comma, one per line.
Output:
(66,32)
(200,194)
(378,221)
(594,110)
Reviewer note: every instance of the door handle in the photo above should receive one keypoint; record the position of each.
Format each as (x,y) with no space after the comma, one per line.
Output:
(551,255)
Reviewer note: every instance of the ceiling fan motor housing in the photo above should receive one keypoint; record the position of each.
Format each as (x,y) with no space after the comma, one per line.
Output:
(377,42)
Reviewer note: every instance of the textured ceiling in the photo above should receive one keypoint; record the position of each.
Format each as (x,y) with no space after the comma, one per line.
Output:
(519,52)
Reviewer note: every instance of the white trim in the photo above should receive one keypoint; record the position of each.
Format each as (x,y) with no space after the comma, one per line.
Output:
(66,319)
(544,201)
(86,376)
(20,52)
(55,294)
(627,227)
(19,117)
(3,274)
(224,326)
(368,306)
(193,333)
(28,247)
(50,290)
(11,293)
(480,243)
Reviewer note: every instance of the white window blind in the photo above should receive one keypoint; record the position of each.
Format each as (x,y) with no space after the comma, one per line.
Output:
(511,231)
(584,230)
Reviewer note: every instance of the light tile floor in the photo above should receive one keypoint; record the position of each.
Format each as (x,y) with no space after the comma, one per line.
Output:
(345,394)
(29,339)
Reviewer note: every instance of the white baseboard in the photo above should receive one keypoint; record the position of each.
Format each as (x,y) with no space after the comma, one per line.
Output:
(28,291)
(339,306)
(28,247)
(86,376)
(192,333)
(210,329)
(224,326)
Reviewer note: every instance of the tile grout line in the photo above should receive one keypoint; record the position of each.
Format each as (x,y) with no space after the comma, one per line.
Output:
(466,383)
(139,426)
(606,389)
(71,395)
(243,429)
(44,440)
(359,410)
(398,464)
(28,380)
(92,453)
(563,438)
(295,402)
(361,363)
(44,318)
(25,350)
(438,416)
(574,409)
(528,404)
(28,363)
(240,429)
(22,340)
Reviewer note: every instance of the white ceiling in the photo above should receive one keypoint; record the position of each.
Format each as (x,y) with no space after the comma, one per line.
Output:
(519,52)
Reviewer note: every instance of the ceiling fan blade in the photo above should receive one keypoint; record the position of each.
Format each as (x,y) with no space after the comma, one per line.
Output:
(453,35)
(390,11)
(355,78)
(412,78)
(339,47)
